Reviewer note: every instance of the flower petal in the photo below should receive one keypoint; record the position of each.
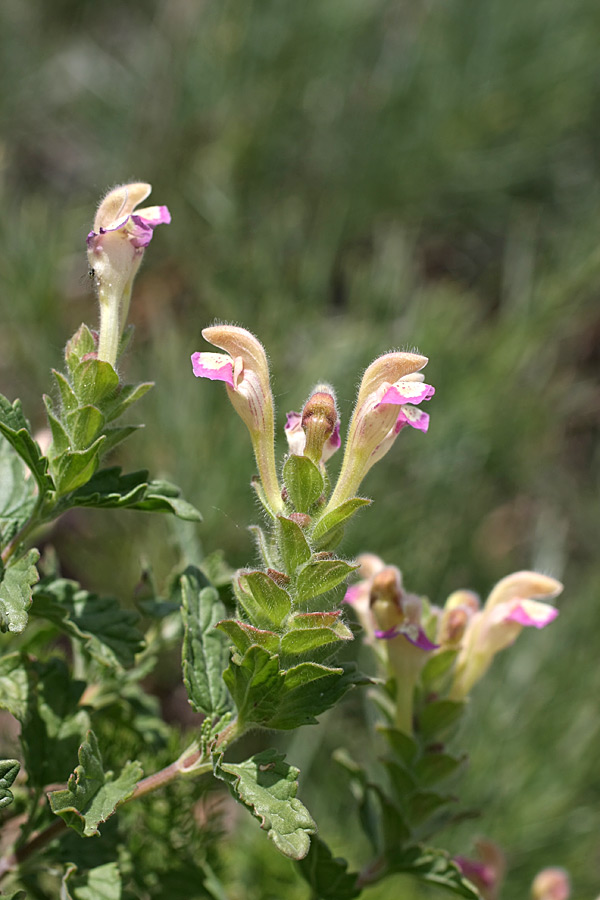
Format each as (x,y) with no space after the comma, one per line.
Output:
(410,415)
(413,634)
(294,433)
(530,612)
(407,392)
(154,215)
(215,366)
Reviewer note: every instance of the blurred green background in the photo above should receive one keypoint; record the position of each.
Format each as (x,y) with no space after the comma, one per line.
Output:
(347,177)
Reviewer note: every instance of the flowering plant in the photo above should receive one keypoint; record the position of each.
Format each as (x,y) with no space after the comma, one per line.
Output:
(264,648)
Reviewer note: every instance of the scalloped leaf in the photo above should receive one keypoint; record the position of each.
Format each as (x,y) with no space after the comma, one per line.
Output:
(107,631)
(55,723)
(16,586)
(267,786)
(303,481)
(92,795)
(9,769)
(310,689)
(255,684)
(109,489)
(205,653)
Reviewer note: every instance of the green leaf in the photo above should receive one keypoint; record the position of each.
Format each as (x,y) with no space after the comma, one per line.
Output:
(72,469)
(337,517)
(60,439)
(437,717)
(68,399)
(17,493)
(55,723)
(437,666)
(126,396)
(309,631)
(434,767)
(403,746)
(94,381)
(205,648)
(84,425)
(15,895)
(18,579)
(309,689)
(328,876)
(108,489)
(78,346)
(15,428)
(107,631)
(92,795)
(267,785)
(9,769)
(244,636)
(100,883)
(292,543)
(303,481)
(319,576)
(273,602)
(255,685)
(423,804)
(14,685)
(433,867)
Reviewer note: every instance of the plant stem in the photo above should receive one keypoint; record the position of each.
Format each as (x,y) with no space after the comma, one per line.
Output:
(23,532)
(186,764)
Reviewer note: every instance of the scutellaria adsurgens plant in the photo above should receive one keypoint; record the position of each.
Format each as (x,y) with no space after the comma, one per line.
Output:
(273,664)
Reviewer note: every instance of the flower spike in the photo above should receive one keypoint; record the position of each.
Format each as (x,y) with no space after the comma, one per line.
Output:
(115,250)
(245,371)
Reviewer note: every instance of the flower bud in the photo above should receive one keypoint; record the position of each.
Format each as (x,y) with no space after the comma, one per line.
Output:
(245,371)
(115,250)
(315,432)
(456,615)
(552,883)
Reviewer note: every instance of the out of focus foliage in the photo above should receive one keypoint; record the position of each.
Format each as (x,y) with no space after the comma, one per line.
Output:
(348,176)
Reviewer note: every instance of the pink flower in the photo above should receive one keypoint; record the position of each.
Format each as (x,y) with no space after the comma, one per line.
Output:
(115,250)
(385,610)
(487,872)
(552,883)
(390,392)
(391,618)
(509,608)
(245,371)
